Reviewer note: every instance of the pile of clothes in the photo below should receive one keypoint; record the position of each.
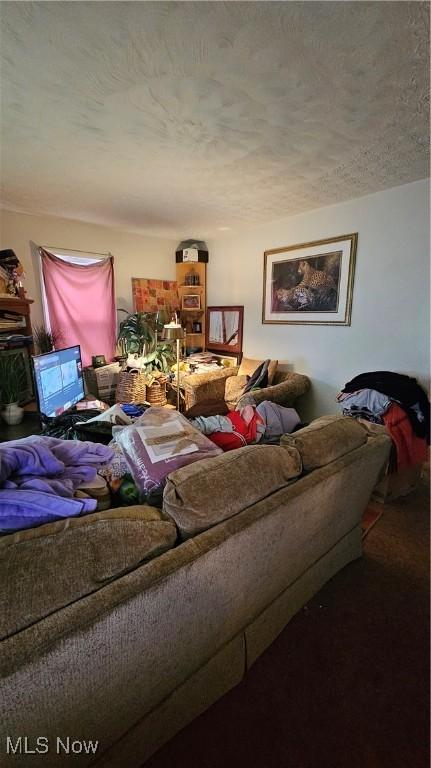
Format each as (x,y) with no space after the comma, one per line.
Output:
(399,403)
(263,423)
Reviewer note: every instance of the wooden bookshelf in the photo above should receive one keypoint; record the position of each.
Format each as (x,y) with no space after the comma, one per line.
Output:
(190,315)
(19,307)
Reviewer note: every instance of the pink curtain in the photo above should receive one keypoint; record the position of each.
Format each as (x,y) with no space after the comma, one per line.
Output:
(81,304)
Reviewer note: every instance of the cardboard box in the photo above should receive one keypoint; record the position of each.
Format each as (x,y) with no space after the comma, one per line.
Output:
(102,382)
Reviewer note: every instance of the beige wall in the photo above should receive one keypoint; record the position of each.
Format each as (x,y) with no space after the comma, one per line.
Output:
(391,294)
(135,255)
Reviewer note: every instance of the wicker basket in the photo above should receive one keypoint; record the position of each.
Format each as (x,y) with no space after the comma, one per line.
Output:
(131,387)
(102,382)
(156,393)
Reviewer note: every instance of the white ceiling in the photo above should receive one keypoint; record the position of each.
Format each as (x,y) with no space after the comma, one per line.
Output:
(183,118)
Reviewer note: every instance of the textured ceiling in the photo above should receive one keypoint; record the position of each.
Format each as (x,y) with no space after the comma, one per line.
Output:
(182,118)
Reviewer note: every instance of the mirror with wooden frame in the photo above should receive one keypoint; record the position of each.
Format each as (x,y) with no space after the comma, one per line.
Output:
(224,330)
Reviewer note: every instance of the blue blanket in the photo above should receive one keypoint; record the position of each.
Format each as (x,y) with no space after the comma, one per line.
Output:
(38,478)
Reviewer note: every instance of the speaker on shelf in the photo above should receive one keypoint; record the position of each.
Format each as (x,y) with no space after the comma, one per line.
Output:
(191,254)
(191,251)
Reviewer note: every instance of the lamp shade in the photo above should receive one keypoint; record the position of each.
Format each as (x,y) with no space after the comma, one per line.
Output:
(173,332)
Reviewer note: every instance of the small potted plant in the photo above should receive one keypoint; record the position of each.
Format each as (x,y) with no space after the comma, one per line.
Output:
(136,333)
(46,341)
(11,386)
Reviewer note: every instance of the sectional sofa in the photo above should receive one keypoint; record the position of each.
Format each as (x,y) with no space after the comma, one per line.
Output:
(121,627)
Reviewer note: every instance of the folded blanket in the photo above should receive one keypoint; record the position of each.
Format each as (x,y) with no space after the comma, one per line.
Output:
(63,464)
(39,475)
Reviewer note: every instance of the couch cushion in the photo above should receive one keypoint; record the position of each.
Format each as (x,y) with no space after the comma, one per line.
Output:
(325,440)
(209,491)
(248,367)
(43,569)
(208,408)
(234,389)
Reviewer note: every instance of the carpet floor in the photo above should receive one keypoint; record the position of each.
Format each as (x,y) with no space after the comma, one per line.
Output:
(346,684)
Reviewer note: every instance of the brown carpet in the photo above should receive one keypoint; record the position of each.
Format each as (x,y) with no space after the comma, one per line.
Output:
(346,684)
(371,516)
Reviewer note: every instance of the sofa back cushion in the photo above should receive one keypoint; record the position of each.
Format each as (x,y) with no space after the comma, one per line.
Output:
(325,440)
(44,569)
(248,367)
(205,493)
(234,389)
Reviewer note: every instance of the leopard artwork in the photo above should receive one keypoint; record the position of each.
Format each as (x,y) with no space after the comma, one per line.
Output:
(300,297)
(314,278)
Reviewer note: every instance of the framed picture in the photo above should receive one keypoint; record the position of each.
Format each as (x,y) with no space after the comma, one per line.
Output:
(223,330)
(191,301)
(310,283)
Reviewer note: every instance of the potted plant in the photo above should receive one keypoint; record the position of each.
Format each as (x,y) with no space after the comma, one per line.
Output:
(159,360)
(138,337)
(140,350)
(46,341)
(11,385)
(136,333)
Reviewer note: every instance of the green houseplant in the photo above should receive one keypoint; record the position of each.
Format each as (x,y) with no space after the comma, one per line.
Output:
(138,340)
(138,336)
(12,382)
(46,341)
(137,333)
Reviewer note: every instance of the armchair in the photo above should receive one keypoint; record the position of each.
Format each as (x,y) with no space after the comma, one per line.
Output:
(226,386)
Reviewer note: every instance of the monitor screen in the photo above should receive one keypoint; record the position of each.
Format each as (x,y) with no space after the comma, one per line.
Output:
(58,380)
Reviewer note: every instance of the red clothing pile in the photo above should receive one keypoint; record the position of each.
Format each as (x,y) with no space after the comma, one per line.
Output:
(411,449)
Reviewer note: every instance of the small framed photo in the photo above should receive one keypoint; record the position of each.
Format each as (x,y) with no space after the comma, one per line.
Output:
(191,301)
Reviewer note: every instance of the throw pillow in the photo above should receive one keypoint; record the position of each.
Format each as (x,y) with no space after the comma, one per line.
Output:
(249,365)
(234,389)
(207,492)
(259,379)
(326,439)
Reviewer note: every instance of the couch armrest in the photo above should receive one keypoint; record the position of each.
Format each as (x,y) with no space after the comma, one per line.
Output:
(206,386)
(285,393)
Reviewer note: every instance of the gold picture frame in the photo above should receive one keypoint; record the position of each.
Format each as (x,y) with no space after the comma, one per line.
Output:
(191,301)
(310,283)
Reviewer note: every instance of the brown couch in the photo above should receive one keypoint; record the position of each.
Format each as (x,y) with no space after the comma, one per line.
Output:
(123,626)
(226,385)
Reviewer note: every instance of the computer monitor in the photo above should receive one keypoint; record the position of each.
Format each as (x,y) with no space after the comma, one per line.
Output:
(58,380)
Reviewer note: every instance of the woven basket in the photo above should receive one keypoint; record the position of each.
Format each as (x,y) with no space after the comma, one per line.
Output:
(156,393)
(131,387)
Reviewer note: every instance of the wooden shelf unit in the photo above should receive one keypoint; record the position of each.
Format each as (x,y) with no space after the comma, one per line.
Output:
(184,289)
(19,306)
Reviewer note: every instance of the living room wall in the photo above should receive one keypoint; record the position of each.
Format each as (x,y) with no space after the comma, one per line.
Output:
(135,255)
(390,311)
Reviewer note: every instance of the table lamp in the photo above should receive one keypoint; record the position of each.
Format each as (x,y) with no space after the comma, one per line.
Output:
(174,331)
